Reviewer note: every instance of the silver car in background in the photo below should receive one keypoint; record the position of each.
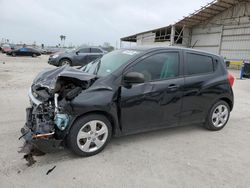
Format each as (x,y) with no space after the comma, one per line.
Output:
(78,57)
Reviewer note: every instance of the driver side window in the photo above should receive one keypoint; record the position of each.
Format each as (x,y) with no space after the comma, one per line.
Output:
(158,66)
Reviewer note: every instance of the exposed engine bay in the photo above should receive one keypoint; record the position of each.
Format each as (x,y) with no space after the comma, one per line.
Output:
(50,110)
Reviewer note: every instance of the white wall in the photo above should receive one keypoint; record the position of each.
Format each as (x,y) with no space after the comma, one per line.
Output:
(145,39)
(206,38)
(148,39)
(227,34)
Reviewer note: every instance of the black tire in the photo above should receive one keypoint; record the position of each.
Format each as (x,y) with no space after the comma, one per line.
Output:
(72,141)
(65,62)
(13,54)
(210,125)
(34,55)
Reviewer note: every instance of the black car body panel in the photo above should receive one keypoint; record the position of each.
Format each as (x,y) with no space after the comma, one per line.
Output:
(174,101)
(79,57)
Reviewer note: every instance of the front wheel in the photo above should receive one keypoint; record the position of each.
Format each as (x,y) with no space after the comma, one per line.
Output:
(65,62)
(34,55)
(89,135)
(218,116)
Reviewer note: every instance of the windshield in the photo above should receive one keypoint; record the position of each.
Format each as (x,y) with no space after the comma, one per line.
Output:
(109,62)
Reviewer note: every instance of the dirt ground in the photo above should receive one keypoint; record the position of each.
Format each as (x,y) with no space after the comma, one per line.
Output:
(177,157)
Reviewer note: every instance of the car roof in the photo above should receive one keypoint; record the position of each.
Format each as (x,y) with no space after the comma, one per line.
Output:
(153,48)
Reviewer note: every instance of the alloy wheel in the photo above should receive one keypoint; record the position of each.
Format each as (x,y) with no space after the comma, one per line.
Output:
(220,116)
(65,63)
(92,136)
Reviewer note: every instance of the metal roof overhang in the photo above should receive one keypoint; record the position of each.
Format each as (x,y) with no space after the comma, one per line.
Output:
(132,38)
(205,13)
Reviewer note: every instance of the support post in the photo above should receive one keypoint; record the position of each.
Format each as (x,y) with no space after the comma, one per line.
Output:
(172,35)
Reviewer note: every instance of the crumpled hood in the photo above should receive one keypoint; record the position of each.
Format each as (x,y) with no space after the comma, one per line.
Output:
(48,77)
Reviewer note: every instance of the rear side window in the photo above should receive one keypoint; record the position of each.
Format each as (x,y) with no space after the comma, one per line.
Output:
(95,50)
(84,50)
(198,64)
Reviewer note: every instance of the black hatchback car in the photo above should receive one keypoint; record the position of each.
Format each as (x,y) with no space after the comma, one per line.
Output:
(78,57)
(125,92)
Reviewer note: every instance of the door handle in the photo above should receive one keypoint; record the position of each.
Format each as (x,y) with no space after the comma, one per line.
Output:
(173,87)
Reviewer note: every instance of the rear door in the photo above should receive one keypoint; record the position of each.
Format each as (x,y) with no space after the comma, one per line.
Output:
(157,102)
(199,89)
(82,57)
(95,53)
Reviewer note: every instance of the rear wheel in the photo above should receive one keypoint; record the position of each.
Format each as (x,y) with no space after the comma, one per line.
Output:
(34,55)
(89,135)
(65,62)
(218,116)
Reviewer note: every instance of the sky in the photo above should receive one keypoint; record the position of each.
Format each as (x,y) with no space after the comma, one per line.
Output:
(90,22)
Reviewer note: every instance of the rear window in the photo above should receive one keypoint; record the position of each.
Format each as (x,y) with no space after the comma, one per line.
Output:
(198,64)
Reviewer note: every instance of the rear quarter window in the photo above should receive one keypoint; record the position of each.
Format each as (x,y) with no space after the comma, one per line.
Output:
(198,64)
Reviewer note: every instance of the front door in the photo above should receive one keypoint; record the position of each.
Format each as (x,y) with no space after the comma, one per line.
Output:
(157,102)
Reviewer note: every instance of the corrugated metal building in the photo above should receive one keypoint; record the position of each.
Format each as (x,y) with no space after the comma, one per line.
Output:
(222,27)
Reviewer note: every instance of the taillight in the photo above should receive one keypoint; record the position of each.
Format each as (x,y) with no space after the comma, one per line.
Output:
(230,79)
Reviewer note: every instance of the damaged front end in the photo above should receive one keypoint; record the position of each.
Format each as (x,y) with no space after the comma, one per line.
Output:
(50,112)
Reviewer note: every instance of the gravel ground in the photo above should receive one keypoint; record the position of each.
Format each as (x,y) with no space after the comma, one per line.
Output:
(177,157)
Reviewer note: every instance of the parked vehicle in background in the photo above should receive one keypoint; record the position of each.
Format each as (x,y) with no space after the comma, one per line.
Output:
(78,57)
(24,52)
(6,48)
(51,50)
(42,51)
(126,92)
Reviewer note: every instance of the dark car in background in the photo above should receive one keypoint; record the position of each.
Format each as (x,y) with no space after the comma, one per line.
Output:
(24,52)
(126,92)
(78,57)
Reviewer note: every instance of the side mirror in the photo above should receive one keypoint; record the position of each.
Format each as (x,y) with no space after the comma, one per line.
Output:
(133,78)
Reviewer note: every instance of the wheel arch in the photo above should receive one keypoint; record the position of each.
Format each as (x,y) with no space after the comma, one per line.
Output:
(221,98)
(110,117)
(228,101)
